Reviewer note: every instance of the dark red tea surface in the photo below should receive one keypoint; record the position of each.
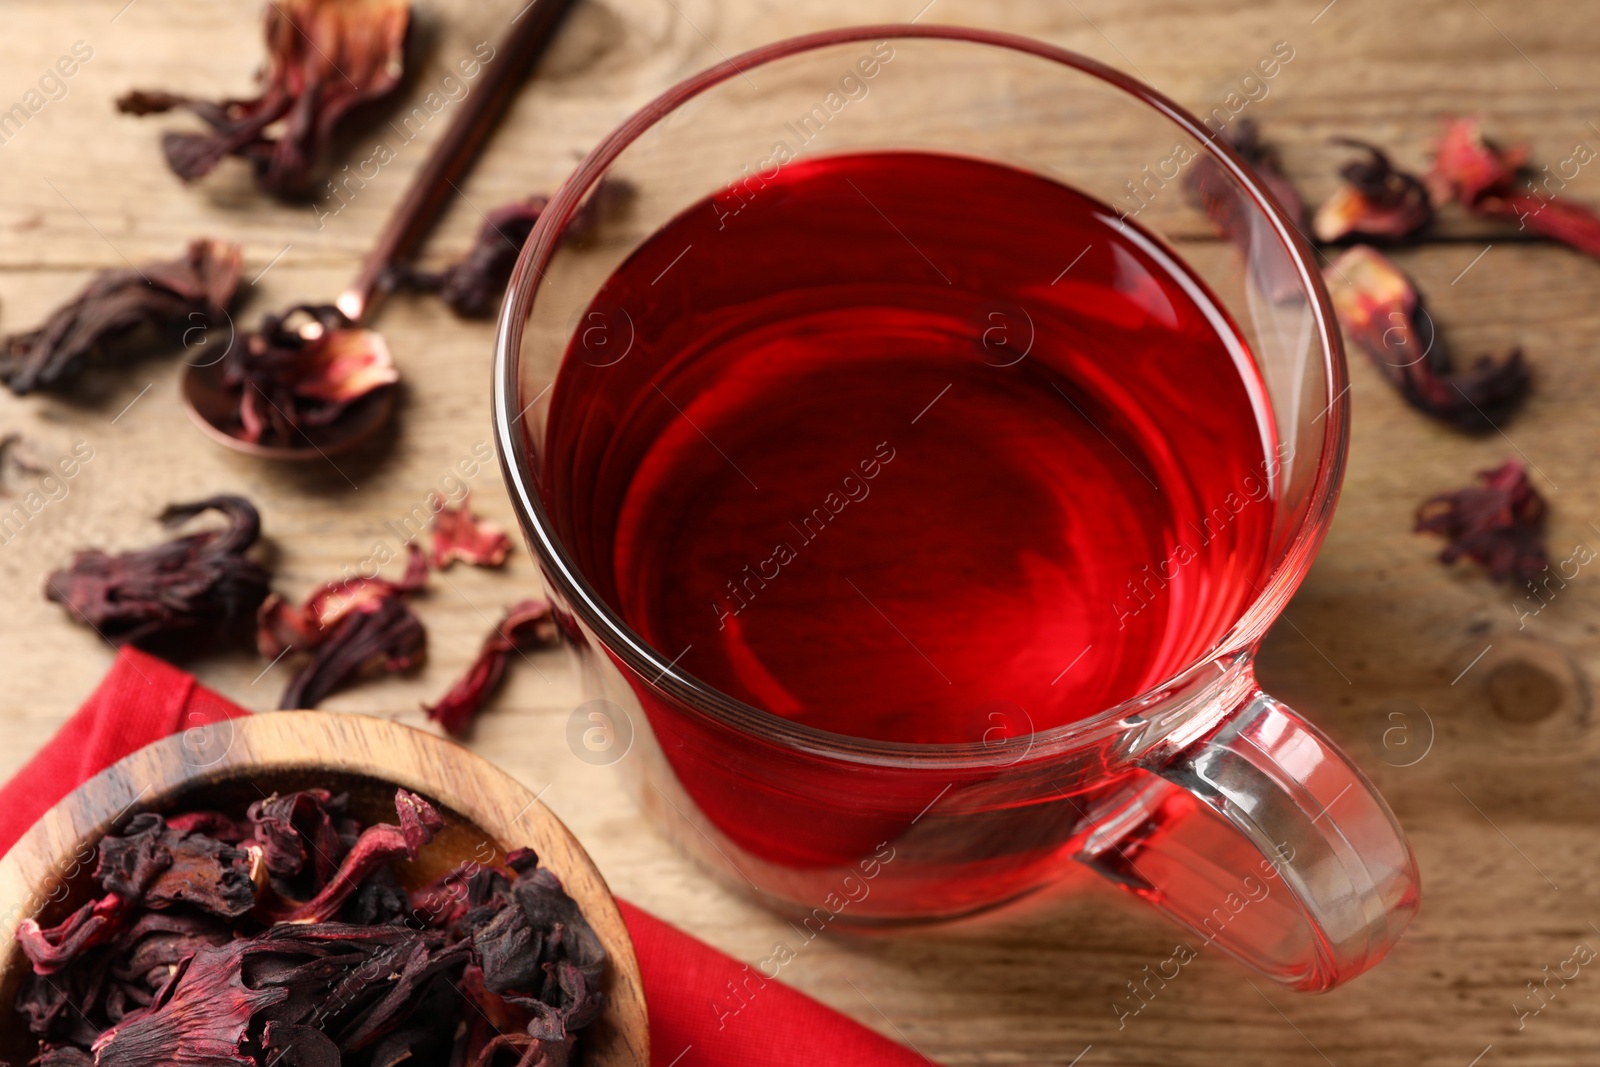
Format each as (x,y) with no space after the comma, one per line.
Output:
(914,448)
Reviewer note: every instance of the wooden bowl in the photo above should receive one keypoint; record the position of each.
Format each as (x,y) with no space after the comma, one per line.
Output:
(228,765)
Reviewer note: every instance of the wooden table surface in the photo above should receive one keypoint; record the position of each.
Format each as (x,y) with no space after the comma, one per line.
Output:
(1501,808)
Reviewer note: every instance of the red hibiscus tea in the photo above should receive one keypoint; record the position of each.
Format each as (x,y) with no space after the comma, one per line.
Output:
(919,512)
(914,448)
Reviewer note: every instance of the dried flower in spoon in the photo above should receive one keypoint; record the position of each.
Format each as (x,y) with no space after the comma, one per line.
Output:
(324,59)
(1500,524)
(161,301)
(526,626)
(301,371)
(1486,179)
(202,580)
(1376,201)
(1381,310)
(459,534)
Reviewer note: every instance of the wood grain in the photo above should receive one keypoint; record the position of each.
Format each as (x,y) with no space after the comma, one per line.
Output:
(1501,811)
(232,764)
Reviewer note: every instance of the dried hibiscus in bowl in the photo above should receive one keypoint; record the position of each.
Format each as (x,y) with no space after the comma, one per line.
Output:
(301,372)
(325,58)
(289,936)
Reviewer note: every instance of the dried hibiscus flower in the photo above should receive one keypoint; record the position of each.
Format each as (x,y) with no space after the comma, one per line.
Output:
(1376,201)
(1484,177)
(374,848)
(526,626)
(324,59)
(202,580)
(294,941)
(1382,312)
(390,637)
(281,625)
(302,370)
(1499,523)
(349,627)
(1210,188)
(168,298)
(1264,160)
(472,285)
(459,534)
(149,864)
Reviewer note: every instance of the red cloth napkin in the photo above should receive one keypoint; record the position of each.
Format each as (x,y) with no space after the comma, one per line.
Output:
(696,1020)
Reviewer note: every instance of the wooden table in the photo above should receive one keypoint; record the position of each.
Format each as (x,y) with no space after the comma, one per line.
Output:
(1500,810)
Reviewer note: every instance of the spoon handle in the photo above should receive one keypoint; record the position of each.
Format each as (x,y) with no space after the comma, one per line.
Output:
(531,30)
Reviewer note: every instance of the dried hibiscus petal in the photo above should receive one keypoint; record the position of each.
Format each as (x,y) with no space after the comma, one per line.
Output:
(459,534)
(527,625)
(1264,160)
(281,625)
(203,580)
(472,285)
(1376,201)
(53,948)
(296,1045)
(211,823)
(1500,524)
(324,59)
(1381,310)
(149,864)
(201,1018)
(1484,177)
(390,637)
(292,828)
(1210,188)
(167,298)
(302,370)
(377,845)
(154,864)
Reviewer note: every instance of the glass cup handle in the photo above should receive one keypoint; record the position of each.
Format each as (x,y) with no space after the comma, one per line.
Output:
(1268,844)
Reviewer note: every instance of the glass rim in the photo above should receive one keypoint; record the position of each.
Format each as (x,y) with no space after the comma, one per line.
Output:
(647,662)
